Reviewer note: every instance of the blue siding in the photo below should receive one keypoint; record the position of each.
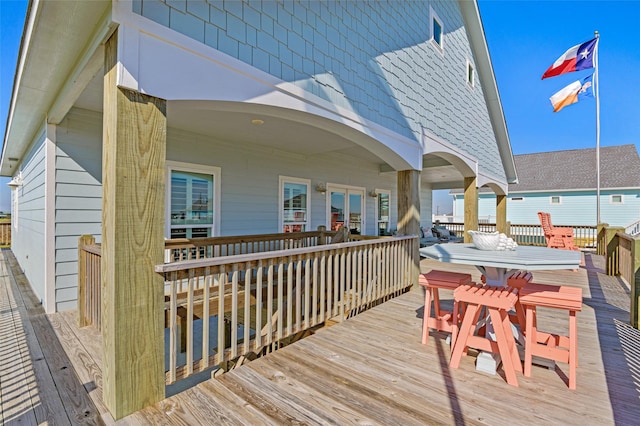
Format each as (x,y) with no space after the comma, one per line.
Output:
(374,58)
(575,208)
(28,241)
(78,196)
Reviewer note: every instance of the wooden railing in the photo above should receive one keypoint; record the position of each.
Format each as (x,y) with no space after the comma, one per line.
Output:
(89,282)
(256,301)
(5,233)
(532,235)
(198,248)
(622,252)
(292,254)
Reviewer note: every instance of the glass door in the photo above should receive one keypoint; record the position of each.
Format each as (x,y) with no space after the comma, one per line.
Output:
(346,209)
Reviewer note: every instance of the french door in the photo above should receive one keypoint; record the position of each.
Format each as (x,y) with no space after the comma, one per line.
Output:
(346,209)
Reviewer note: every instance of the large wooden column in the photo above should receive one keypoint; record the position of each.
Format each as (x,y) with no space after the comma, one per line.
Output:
(409,213)
(133,176)
(501,214)
(470,207)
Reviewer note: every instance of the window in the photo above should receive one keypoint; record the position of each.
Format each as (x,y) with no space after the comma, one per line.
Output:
(382,212)
(436,29)
(616,199)
(555,199)
(294,204)
(471,80)
(192,200)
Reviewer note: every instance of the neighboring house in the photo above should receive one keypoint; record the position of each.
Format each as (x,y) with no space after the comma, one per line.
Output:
(563,183)
(145,120)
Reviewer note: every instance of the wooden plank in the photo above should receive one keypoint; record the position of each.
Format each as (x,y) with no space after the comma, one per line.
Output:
(133,181)
(61,397)
(17,384)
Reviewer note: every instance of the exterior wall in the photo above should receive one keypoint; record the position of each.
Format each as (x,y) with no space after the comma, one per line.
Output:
(375,58)
(78,196)
(250,176)
(576,208)
(28,240)
(249,191)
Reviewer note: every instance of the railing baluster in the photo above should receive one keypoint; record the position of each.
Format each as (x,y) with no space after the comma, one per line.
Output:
(290,297)
(173,327)
(222,278)
(247,307)
(206,296)
(307,291)
(234,312)
(259,306)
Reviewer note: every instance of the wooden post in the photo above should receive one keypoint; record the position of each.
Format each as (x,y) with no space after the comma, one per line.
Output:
(470,207)
(612,254)
(601,247)
(501,213)
(322,239)
(133,176)
(409,214)
(635,285)
(83,321)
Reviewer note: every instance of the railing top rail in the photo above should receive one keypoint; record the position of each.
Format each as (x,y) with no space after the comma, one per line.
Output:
(238,258)
(623,235)
(92,248)
(238,239)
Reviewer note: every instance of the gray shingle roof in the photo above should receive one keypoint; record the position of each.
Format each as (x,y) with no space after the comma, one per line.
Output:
(576,169)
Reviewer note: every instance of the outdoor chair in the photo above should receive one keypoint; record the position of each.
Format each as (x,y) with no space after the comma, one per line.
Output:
(560,238)
(557,347)
(443,320)
(498,301)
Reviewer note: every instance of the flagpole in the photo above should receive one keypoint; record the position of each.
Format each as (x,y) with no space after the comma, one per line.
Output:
(597,98)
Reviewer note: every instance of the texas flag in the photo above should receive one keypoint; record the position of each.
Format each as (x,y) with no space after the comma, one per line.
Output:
(577,58)
(573,93)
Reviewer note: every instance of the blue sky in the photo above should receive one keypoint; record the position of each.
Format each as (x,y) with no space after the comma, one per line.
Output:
(524,38)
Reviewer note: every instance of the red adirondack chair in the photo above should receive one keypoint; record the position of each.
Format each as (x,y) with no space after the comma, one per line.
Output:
(561,238)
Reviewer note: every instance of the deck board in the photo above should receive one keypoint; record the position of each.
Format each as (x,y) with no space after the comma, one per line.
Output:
(372,369)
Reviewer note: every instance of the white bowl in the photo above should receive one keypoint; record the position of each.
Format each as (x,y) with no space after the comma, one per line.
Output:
(485,240)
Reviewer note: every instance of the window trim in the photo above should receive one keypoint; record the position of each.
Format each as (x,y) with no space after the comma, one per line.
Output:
(551,197)
(435,18)
(471,74)
(289,179)
(376,210)
(214,171)
(616,195)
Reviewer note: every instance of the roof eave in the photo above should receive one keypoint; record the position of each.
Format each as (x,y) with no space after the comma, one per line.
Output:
(53,35)
(475,32)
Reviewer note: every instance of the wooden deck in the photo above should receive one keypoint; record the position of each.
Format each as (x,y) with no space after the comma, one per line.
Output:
(368,370)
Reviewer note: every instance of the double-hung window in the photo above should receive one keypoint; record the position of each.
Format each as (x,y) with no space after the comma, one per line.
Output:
(193,194)
(294,204)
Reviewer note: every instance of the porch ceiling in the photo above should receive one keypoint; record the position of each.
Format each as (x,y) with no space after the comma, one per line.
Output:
(440,173)
(233,123)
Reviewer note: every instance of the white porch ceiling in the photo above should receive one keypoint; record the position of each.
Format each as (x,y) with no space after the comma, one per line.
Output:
(276,132)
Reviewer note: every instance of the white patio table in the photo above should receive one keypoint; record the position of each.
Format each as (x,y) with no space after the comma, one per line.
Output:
(497,266)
